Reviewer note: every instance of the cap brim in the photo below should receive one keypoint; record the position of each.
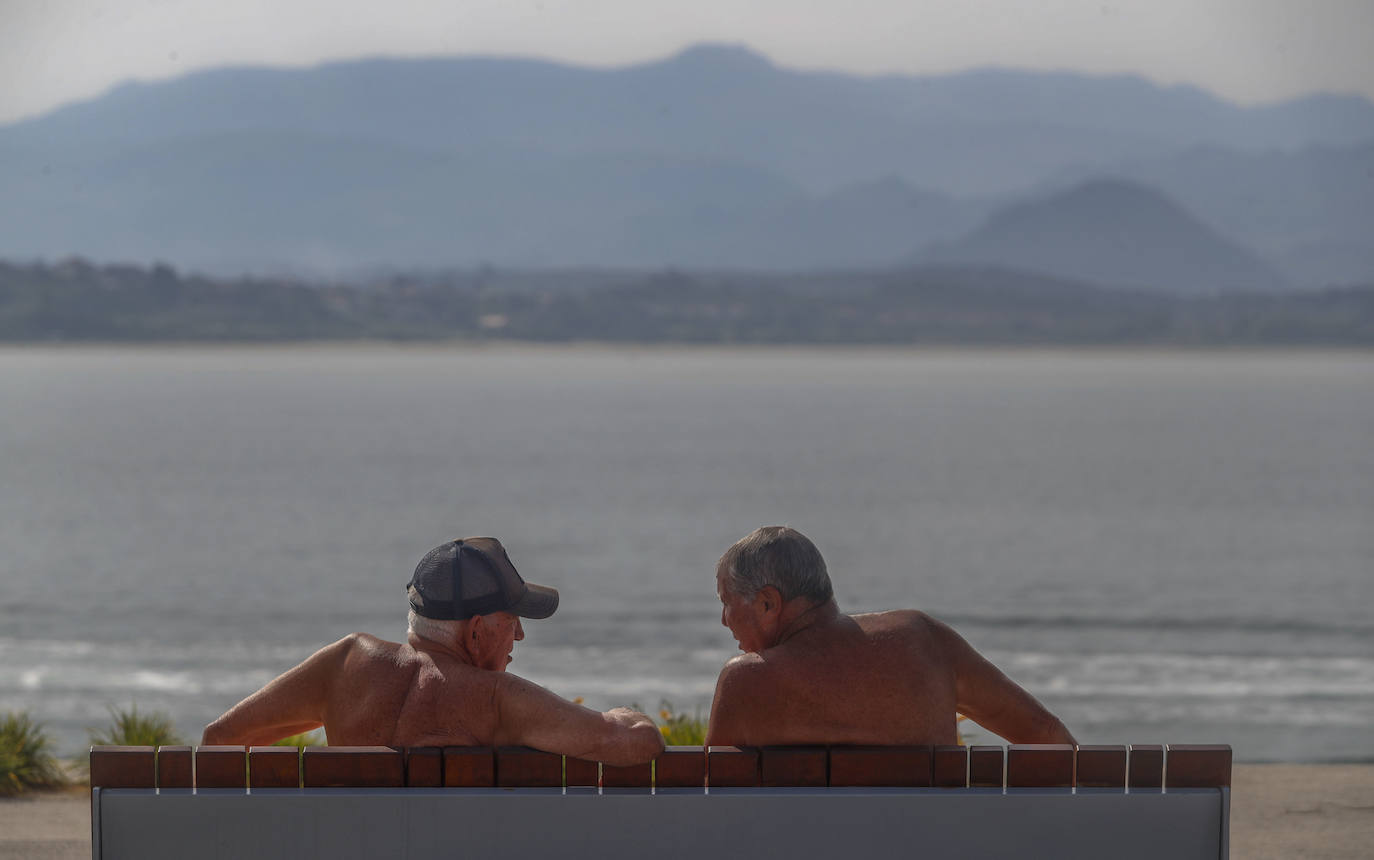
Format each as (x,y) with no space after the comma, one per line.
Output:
(539,601)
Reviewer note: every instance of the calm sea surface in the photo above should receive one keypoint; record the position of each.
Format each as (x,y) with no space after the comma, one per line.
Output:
(1163,547)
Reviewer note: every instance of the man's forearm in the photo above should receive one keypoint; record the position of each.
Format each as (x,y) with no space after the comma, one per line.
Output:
(221,733)
(1048,729)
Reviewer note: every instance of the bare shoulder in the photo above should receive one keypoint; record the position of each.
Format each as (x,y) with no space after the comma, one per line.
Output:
(510,684)
(363,648)
(898,621)
(745,672)
(367,643)
(746,693)
(745,664)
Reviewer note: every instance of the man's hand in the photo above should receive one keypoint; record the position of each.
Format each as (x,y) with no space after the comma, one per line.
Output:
(629,719)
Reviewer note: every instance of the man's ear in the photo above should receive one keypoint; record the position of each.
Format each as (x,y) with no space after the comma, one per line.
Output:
(769,599)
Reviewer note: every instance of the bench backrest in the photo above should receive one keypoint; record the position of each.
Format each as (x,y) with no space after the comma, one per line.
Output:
(1139,767)
(803,803)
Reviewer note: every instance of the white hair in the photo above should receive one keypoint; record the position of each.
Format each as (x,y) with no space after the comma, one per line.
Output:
(435,630)
(781,557)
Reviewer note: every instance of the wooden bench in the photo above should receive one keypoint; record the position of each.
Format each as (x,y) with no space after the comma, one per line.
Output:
(798,802)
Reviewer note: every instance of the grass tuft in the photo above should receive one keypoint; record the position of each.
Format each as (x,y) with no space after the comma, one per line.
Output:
(132,729)
(26,759)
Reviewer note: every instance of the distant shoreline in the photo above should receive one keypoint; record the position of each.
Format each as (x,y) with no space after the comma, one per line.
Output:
(924,307)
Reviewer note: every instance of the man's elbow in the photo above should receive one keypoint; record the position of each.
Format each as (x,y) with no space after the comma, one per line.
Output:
(637,744)
(647,743)
(1062,735)
(216,734)
(1049,730)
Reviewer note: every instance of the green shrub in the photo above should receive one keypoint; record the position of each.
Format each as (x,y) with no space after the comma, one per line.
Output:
(305,739)
(132,729)
(681,729)
(26,759)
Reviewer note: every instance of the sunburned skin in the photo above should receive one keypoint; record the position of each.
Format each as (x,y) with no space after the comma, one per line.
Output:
(365,691)
(811,674)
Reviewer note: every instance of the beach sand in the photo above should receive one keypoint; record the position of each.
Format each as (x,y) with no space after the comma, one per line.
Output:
(1277,811)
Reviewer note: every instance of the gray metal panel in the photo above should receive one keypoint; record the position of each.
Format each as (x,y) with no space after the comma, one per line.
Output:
(1225,823)
(95,823)
(420,824)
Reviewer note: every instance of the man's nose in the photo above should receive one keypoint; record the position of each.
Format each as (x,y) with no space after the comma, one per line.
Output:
(519,630)
(722,617)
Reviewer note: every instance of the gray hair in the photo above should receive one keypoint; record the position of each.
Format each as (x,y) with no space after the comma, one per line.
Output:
(434,629)
(781,557)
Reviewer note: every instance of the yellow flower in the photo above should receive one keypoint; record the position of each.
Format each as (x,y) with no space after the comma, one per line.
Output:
(664,715)
(577,701)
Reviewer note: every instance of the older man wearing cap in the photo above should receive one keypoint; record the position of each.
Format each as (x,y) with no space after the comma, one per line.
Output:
(447,684)
(811,674)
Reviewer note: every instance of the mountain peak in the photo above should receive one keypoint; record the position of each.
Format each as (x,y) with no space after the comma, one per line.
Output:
(734,57)
(1112,231)
(1102,197)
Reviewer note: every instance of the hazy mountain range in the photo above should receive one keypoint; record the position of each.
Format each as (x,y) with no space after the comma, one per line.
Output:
(714,158)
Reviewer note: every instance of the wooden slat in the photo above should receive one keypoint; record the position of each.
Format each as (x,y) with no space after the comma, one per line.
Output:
(793,766)
(1197,766)
(522,767)
(1145,766)
(880,766)
(680,767)
(1040,766)
(581,773)
(732,767)
(469,767)
(949,767)
(221,767)
(353,767)
(123,767)
(632,776)
(985,765)
(424,767)
(1101,767)
(274,767)
(174,767)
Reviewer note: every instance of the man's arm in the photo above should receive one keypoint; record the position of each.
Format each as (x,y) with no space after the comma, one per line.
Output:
(292,703)
(994,701)
(529,715)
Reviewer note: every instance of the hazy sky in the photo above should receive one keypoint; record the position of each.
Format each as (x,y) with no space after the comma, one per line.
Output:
(53,51)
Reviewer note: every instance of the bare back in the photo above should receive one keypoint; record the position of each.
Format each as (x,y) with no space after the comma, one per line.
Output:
(864,679)
(393,694)
(366,691)
(883,678)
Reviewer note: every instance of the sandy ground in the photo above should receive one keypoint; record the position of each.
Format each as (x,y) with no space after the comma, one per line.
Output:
(1277,811)
(1295,810)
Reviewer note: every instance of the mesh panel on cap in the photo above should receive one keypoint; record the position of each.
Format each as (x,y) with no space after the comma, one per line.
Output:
(434,579)
(477,579)
(486,580)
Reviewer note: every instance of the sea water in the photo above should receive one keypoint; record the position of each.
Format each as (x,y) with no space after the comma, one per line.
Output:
(1163,547)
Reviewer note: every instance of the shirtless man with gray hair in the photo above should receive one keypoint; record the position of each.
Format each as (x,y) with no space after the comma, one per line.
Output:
(447,684)
(811,674)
